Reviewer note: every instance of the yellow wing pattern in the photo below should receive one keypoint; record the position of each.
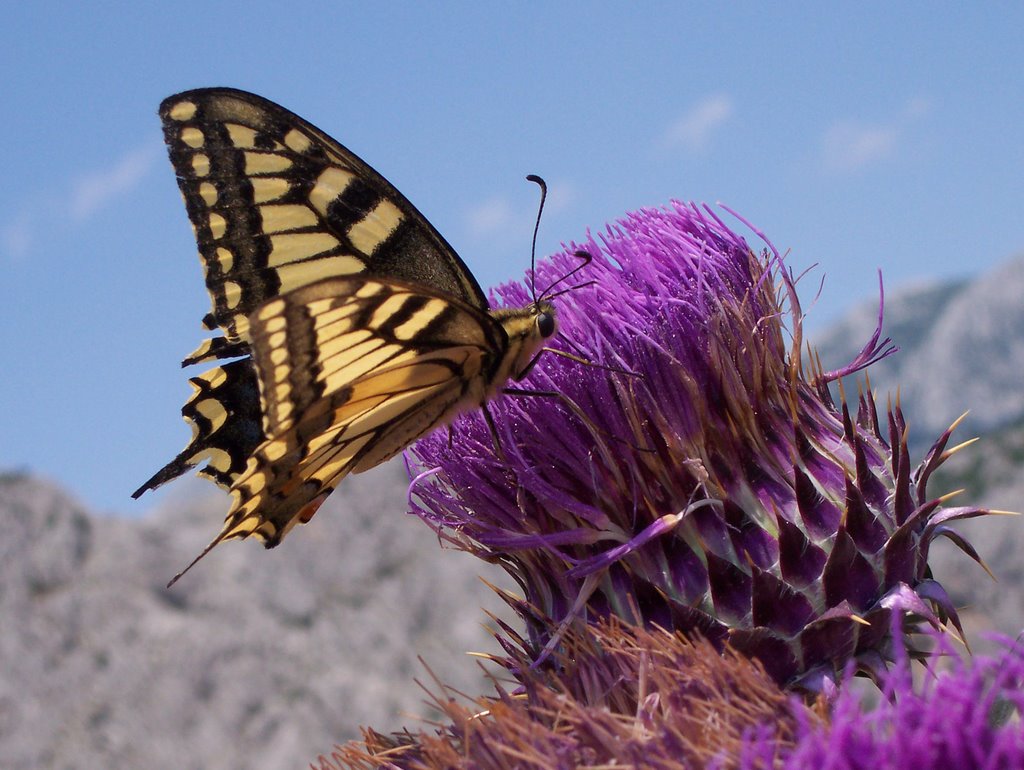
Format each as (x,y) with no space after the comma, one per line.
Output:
(277,204)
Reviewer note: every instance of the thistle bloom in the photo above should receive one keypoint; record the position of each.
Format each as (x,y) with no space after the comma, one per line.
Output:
(964,717)
(638,698)
(696,478)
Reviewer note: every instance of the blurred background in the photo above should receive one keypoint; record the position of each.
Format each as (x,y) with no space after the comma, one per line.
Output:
(856,138)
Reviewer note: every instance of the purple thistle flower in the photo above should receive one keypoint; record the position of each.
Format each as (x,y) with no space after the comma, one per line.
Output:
(955,718)
(699,481)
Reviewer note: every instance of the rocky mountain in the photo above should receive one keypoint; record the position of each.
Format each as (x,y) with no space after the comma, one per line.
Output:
(255,659)
(991,472)
(961,347)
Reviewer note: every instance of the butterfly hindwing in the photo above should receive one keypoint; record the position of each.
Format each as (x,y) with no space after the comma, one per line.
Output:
(277,204)
(351,372)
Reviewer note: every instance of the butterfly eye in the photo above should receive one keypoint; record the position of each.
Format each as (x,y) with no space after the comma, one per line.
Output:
(545,324)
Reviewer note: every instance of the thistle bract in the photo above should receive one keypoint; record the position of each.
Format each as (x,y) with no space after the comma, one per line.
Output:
(698,476)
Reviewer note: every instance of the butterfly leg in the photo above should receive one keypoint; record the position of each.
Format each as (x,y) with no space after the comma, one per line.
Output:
(581,359)
(494,433)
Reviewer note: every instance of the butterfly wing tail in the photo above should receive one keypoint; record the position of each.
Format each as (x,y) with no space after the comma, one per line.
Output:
(226,420)
(270,525)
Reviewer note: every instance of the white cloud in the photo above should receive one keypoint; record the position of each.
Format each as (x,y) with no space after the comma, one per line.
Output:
(849,146)
(17,236)
(497,216)
(93,191)
(693,130)
(560,197)
(917,107)
(80,198)
(489,217)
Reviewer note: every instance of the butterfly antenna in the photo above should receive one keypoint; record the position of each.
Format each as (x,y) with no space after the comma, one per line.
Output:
(586,258)
(536,228)
(574,287)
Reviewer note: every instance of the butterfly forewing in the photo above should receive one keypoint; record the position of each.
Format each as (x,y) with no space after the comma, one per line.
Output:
(351,372)
(277,204)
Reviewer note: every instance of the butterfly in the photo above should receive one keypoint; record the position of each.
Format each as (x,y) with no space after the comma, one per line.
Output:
(351,326)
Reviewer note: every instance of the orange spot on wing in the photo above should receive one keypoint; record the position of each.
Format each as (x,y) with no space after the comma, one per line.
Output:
(308,511)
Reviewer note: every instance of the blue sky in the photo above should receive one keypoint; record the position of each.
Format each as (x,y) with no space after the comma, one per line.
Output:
(859,136)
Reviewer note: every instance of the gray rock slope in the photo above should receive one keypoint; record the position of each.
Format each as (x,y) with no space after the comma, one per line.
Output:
(255,659)
(961,347)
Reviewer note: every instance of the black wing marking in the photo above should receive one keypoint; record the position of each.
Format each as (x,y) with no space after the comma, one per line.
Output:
(227,425)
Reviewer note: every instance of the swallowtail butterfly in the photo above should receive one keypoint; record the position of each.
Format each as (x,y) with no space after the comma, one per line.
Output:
(352,327)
